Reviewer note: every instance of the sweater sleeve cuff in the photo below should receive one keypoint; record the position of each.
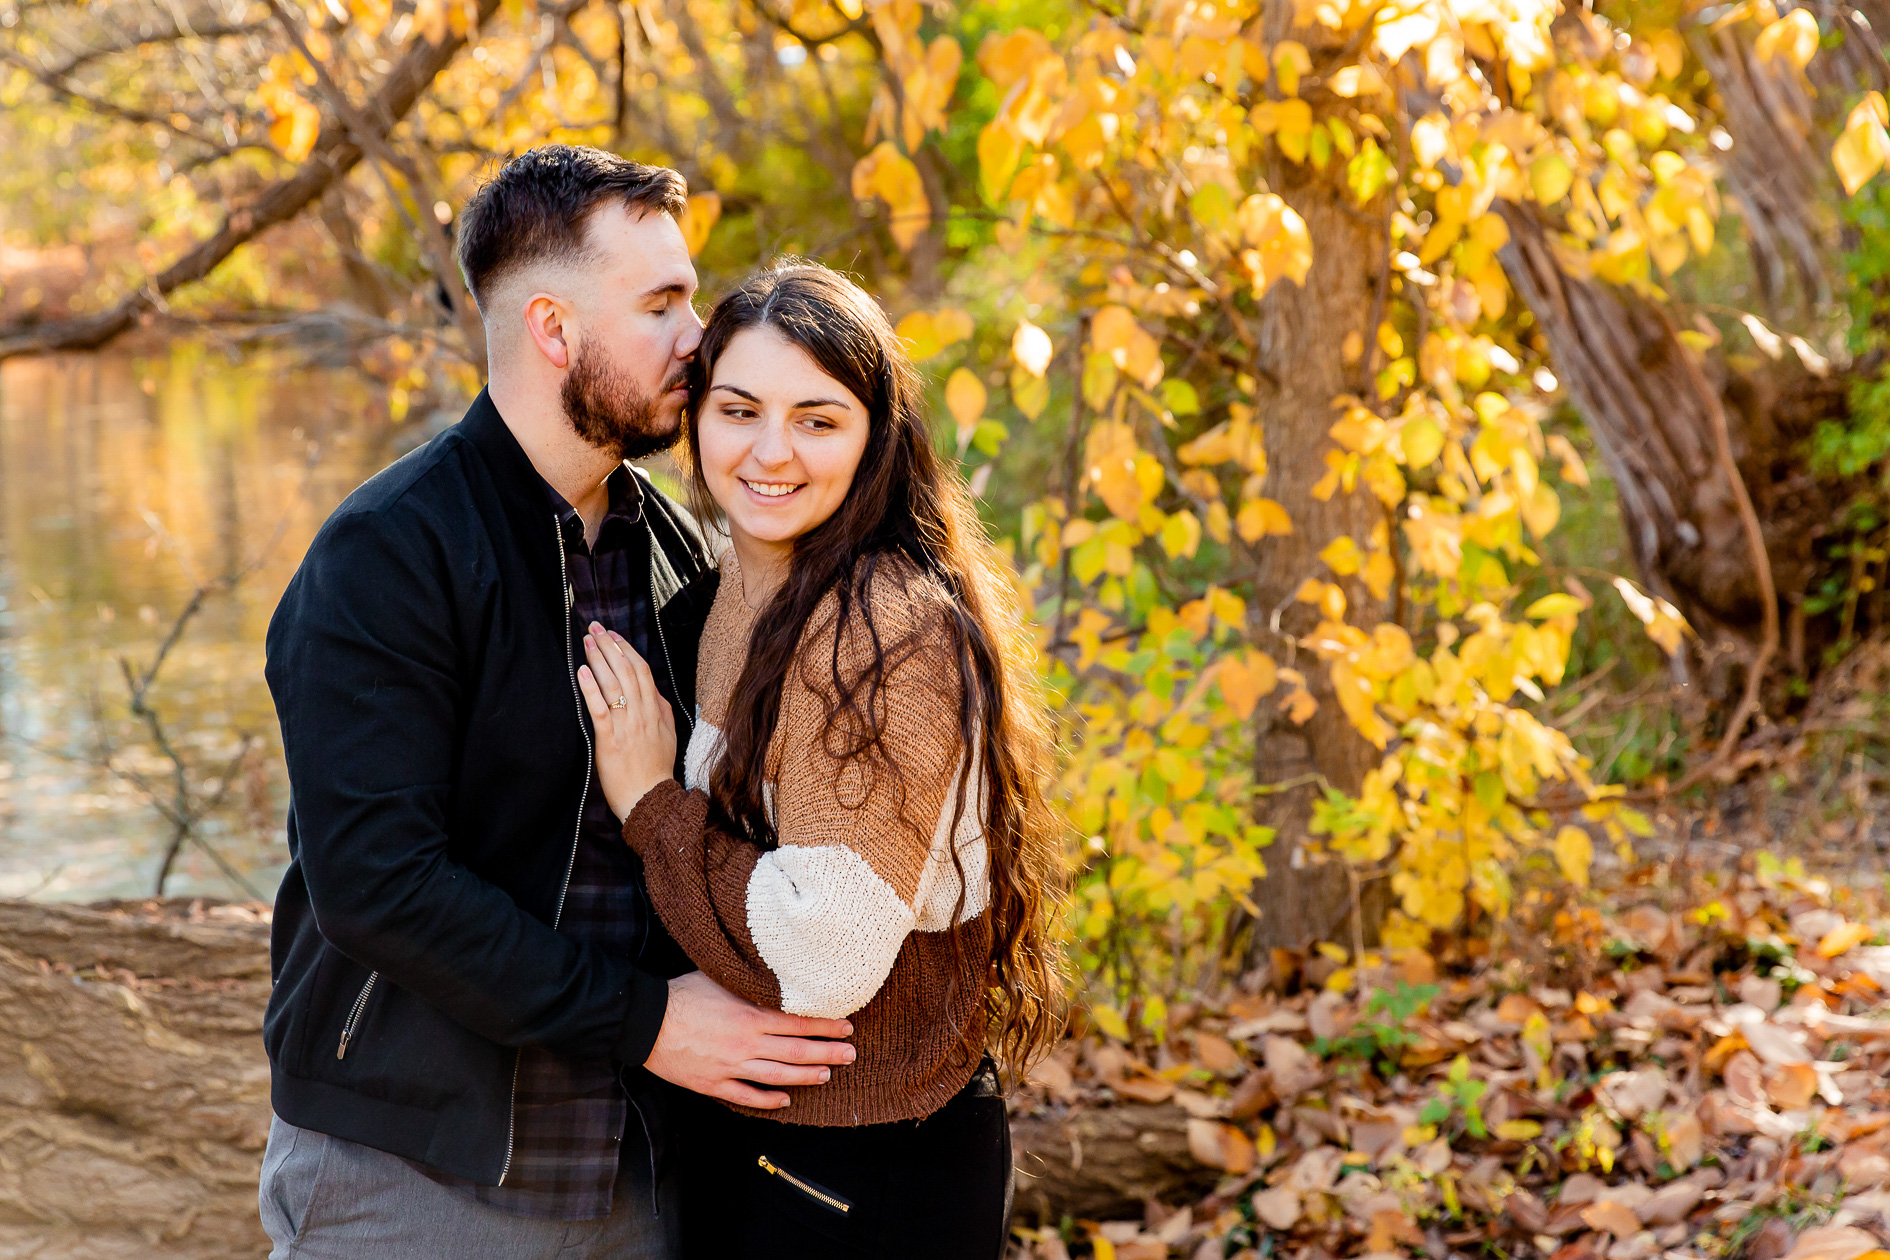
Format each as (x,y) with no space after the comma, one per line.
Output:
(646,818)
(649,1003)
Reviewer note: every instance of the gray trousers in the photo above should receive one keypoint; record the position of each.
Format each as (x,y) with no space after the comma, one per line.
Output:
(323,1198)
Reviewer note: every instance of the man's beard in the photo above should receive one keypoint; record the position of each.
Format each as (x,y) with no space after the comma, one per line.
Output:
(609,412)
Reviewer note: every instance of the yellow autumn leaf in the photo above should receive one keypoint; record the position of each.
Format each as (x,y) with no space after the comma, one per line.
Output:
(1244,679)
(1518,1130)
(296,126)
(1110,1021)
(1843,938)
(1281,246)
(1291,62)
(951,325)
(1342,556)
(1000,149)
(698,218)
(1574,471)
(920,334)
(889,175)
(1793,37)
(965,398)
(1260,517)
(1181,534)
(1007,58)
(1574,854)
(1864,146)
(1030,346)
(1114,331)
(1550,177)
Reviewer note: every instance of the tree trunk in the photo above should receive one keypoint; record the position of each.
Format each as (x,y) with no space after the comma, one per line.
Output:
(134,1095)
(1653,411)
(1301,368)
(1104,1163)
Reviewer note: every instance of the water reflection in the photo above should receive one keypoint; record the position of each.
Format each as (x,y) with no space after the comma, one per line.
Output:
(124,483)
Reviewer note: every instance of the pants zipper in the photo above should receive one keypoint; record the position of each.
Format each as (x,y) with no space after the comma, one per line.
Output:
(577,833)
(839,1205)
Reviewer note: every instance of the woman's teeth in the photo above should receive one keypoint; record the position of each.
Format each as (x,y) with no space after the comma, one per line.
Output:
(772,490)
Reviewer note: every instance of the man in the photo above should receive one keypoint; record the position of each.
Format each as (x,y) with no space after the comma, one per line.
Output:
(470,986)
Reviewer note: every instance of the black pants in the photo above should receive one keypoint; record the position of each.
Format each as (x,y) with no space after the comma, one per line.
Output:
(930,1189)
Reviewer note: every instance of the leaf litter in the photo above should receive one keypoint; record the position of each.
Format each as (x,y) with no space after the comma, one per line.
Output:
(1655,1083)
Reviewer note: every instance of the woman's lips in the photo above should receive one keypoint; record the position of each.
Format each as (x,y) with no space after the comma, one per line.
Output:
(782,490)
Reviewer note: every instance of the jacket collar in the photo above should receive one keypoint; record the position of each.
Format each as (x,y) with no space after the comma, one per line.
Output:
(529,514)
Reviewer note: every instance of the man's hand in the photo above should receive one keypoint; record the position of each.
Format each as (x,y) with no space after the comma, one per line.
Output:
(714,1043)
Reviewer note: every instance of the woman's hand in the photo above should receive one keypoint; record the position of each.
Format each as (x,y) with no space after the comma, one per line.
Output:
(636,732)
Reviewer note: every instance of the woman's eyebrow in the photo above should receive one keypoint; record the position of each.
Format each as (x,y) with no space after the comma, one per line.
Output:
(822,402)
(734,389)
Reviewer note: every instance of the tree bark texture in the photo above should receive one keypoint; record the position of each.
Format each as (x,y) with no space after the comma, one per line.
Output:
(1104,1163)
(1773,168)
(134,1095)
(1651,414)
(1301,369)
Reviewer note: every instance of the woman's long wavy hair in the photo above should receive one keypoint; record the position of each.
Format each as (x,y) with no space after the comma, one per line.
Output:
(903,503)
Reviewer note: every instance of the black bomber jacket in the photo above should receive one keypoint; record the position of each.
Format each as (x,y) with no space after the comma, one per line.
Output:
(421,666)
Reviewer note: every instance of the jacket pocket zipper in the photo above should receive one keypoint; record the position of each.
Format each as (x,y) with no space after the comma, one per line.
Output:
(354,1016)
(807,1188)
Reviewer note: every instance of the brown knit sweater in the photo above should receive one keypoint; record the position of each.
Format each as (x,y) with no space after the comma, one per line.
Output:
(851,914)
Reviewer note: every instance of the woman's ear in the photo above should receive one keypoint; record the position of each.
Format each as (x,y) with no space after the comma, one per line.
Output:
(545,318)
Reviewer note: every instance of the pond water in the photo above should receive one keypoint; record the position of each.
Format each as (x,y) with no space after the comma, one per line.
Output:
(125,483)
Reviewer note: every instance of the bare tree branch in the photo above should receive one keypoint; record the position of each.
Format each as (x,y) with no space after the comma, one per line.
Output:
(335,154)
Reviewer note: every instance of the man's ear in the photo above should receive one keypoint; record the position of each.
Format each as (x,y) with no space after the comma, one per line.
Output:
(545,318)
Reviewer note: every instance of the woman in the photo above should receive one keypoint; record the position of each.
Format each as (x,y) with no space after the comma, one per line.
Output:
(861,831)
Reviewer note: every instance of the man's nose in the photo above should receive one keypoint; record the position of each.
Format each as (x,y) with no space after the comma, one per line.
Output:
(691,336)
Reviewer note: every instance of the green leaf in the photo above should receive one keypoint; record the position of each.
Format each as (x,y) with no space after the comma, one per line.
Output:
(1086,562)
(1370,171)
(1099,379)
(1030,393)
(989,436)
(1212,207)
(1489,789)
(1180,397)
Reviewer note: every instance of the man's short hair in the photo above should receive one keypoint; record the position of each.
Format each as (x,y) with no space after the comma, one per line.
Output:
(537,209)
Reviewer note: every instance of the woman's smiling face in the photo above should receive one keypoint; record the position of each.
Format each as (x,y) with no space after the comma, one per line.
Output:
(778,438)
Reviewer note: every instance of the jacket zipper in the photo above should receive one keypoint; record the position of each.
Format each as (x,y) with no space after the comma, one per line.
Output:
(577,833)
(656,615)
(839,1205)
(354,1016)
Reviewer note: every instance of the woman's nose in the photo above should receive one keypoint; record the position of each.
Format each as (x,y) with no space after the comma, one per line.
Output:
(772,447)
